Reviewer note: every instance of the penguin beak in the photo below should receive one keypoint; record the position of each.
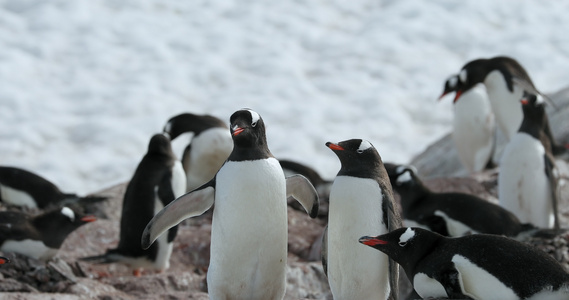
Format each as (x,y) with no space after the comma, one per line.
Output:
(524,101)
(334,146)
(372,241)
(88,219)
(458,94)
(235,130)
(442,95)
(4,260)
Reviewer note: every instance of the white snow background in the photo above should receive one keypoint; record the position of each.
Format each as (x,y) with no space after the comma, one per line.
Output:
(84,84)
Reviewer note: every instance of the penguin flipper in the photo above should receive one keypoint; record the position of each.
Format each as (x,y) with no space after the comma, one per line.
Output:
(553,175)
(186,206)
(324,250)
(304,192)
(99,259)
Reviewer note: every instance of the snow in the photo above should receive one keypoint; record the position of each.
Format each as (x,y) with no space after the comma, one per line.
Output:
(84,84)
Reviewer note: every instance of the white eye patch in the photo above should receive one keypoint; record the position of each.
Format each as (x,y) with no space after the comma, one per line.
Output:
(406,236)
(404,177)
(364,145)
(539,99)
(66,211)
(463,76)
(254,117)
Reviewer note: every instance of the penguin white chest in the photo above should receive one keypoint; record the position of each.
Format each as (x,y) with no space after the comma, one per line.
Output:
(356,271)
(249,231)
(505,103)
(31,248)
(523,186)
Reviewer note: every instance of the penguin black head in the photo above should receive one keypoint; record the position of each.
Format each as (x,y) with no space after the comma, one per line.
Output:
(402,176)
(452,84)
(357,157)
(160,144)
(188,122)
(471,74)
(404,245)
(247,128)
(60,222)
(4,260)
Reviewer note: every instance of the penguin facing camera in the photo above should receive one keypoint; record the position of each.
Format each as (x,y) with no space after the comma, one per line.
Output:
(248,251)
(40,236)
(361,200)
(478,266)
(157,181)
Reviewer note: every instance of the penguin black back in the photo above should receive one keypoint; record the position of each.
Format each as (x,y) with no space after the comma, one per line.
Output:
(188,122)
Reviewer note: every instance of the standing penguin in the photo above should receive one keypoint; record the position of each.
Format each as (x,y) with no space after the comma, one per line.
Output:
(474,126)
(477,266)
(249,226)
(157,181)
(505,80)
(23,188)
(210,146)
(527,182)
(361,200)
(451,214)
(39,236)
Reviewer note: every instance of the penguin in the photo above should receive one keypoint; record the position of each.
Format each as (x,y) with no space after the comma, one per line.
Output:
(505,80)
(23,188)
(527,180)
(322,185)
(474,126)
(451,214)
(361,200)
(40,236)
(210,146)
(478,266)
(157,181)
(248,250)
(4,260)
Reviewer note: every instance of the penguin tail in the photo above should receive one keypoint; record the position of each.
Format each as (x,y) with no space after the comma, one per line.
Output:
(99,259)
(530,231)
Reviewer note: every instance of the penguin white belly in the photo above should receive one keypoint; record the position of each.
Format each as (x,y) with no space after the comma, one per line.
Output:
(31,248)
(428,287)
(523,186)
(478,283)
(16,197)
(249,232)
(474,127)
(356,271)
(178,180)
(505,104)
(209,150)
(454,227)
(162,260)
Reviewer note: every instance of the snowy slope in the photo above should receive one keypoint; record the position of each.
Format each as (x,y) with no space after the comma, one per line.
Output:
(84,84)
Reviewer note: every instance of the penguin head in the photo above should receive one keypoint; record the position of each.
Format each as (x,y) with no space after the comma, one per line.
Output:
(452,84)
(356,156)
(160,144)
(188,122)
(402,176)
(60,222)
(471,74)
(404,245)
(247,128)
(4,260)
(533,107)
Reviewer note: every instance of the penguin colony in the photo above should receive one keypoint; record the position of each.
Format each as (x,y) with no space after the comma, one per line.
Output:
(449,245)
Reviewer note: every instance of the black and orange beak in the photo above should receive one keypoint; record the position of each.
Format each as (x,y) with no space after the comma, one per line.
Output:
(334,146)
(237,131)
(4,260)
(88,219)
(371,241)
(458,94)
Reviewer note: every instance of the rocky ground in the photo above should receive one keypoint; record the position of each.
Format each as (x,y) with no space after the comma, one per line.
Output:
(67,278)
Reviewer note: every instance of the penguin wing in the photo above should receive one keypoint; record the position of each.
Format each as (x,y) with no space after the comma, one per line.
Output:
(393,221)
(186,206)
(553,175)
(450,278)
(324,250)
(304,192)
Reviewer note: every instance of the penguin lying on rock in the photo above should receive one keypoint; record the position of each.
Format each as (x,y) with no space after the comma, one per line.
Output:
(477,266)
(248,250)
(453,214)
(157,181)
(23,188)
(39,236)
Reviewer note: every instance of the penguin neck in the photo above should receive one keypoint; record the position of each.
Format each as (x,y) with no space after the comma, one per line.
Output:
(243,153)
(361,169)
(412,194)
(533,124)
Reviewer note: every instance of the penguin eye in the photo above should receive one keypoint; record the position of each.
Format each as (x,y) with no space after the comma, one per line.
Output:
(402,244)
(254,124)
(360,151)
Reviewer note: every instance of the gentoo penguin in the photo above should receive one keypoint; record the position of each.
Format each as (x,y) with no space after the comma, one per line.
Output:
(39,236)
(477,266)
(210,146)
(450,214)
(474,126)
(505,80)
(527,181)
(248,250)
(361,201)
(4,260)
(23,188)
(322,185)
(157,181)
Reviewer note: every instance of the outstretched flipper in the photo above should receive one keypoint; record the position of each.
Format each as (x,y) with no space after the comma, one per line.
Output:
(304,192)
(189,205)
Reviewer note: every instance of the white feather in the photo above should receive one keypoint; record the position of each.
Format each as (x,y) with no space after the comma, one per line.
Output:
(31,248)
(505,104)
(478,283)
(16,197)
